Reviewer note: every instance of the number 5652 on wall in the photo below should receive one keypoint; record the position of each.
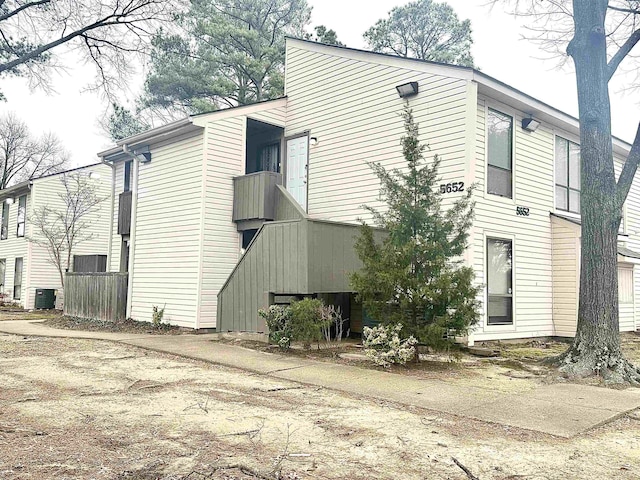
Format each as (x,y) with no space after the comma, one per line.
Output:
(452,187)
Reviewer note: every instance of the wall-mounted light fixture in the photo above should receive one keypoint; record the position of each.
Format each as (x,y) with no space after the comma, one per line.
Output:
(407,89)
(9,201)
(94,175)
(313,141)
(530,124)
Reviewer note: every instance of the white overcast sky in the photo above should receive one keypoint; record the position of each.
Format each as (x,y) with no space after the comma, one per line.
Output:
(498,51)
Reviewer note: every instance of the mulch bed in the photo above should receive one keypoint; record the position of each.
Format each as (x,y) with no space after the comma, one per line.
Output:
(119,326)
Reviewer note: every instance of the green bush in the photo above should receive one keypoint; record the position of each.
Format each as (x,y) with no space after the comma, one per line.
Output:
(307,321)
(278,319)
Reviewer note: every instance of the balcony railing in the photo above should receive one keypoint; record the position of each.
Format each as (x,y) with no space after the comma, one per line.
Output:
(254,196)
(124,213)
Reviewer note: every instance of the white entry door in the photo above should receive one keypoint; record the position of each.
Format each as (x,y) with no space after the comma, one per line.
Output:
(297,157)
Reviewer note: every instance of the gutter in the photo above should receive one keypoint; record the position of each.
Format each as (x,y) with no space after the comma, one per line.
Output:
(132,232)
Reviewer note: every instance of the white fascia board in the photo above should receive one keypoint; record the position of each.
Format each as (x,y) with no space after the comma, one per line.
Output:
(246,110)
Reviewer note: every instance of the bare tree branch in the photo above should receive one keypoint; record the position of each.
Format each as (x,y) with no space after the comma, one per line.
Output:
(620,55)
(629,170)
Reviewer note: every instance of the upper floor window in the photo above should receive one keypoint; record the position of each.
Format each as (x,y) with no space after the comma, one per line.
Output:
(127,175)
(567,175)
(4,229)
(22,215)
(500,154)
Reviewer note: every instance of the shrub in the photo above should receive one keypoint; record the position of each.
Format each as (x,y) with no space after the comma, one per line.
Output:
(158,315)
(333,319)
(278,319)
(307,321)
(385,347)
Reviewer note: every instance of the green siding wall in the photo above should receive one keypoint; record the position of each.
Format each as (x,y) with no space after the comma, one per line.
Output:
(291,257)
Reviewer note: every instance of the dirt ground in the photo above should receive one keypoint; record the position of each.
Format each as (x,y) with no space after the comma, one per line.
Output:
(79,409)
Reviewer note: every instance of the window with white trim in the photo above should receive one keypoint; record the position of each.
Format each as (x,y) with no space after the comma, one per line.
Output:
(499,281)
(625,285)
(22,215)
(499,154)
(4,229)
(567,175)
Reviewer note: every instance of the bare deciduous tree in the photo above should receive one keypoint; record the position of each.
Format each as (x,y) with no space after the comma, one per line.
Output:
(107,33)
(60,229)
(598,35)
(23,156)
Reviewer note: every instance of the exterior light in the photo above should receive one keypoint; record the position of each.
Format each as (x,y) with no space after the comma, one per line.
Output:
(407,89)
(530,124)
(94,176)
(9,201)
(313,141)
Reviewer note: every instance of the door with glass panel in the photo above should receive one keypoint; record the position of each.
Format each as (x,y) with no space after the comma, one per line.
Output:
(499,281)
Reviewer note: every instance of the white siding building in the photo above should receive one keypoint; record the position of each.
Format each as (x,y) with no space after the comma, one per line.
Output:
(201,194)
(24,265)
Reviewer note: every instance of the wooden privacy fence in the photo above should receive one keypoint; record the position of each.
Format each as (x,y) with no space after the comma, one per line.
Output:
(101,296)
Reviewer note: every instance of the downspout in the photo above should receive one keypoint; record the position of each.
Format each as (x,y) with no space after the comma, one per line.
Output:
(26,265)
(113,200)
(132,232)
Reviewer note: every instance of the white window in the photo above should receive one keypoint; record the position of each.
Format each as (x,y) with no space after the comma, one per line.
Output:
(17,279)
(22,215)
(499,281)
(567,175)
(625,285)
(500,154)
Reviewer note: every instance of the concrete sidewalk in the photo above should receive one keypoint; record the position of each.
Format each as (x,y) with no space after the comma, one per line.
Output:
(564,410)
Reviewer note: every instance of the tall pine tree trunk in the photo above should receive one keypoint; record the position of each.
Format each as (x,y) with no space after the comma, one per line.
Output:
(596,347)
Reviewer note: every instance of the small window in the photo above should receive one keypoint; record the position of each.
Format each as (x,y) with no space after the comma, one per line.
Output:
(22,215)
(500,154)
(3,271)
(17,279)
(499,281)
(625,285)
(4,230)
(247,237)
(567,175)
(127,175)
(269,158)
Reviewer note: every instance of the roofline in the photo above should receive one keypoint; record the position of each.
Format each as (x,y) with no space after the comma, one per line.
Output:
(26,184)
(472,74)
(172,127)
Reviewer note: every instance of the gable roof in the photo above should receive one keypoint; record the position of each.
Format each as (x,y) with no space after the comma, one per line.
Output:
(187,124)
(24,187)
(487,84)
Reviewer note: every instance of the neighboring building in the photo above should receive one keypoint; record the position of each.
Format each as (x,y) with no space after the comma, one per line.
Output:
(25,266)
(286,180)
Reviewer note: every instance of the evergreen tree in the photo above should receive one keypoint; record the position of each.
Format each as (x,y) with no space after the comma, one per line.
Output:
(415,276)
(122,123)
(426,30)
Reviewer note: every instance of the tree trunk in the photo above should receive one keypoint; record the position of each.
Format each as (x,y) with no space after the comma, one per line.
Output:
(596,347)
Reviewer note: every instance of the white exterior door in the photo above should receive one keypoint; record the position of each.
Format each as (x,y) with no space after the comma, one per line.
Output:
(297,156)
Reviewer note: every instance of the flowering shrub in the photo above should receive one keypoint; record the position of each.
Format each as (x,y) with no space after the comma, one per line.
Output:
(278,319)
(385,347)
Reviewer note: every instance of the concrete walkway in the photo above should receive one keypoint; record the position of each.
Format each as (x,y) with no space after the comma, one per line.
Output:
(564,410)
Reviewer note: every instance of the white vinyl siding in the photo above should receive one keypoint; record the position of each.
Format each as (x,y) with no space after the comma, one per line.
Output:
(224,159)
(39,271)
(14,247)
(566,276)
(352,107)
(496,217)
(167,238)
